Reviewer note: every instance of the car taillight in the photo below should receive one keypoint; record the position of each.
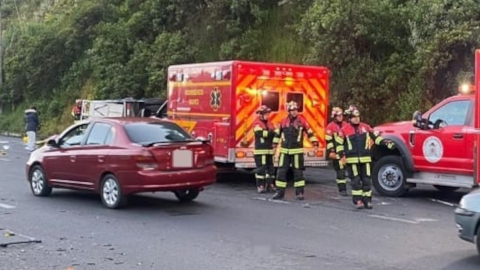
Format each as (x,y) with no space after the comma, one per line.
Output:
(146,161)
(204,157)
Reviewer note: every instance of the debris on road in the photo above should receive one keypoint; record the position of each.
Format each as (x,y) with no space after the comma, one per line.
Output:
(12,234)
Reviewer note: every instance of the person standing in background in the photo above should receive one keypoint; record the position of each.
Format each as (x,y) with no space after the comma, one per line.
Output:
(32,125)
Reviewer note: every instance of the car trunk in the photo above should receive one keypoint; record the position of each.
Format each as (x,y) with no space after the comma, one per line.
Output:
(182,156)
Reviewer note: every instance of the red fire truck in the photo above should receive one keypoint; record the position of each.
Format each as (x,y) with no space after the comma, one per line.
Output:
(439,147)
(217,102)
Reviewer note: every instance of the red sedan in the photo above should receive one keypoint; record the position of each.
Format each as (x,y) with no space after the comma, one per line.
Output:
(117,157)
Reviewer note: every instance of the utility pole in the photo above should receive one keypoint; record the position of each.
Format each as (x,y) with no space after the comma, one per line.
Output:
(1,57)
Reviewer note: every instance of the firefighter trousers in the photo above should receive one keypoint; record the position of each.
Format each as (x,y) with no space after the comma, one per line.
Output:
(265,172)
(284,165)
(361,182)
(341,178)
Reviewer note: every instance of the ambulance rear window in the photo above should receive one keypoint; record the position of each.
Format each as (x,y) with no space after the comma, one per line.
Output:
(298,98)
(271,100)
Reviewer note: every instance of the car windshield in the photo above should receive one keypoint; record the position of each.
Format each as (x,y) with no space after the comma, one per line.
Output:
(150,133)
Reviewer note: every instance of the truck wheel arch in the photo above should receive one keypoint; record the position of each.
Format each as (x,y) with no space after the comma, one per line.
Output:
(401,150)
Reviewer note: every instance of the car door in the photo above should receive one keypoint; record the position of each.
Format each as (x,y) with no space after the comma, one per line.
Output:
(444,149)
(91,158)
(60,162)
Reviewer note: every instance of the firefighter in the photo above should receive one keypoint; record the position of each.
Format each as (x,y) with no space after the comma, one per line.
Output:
(77,110)
(291,131)
(330,137)
(264,133)
(354,148)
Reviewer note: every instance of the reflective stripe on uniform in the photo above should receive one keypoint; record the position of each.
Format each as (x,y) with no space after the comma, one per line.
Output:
(281,184)
(276,140)
(339,140)
(257,128)
(349,143)
(282,160)
(328,137)
(300,183)
(341,181)
(359,160)
(367,142)
(378,140)
(354,170)
(264,159)
(259,176)
(263,152)
(296,163)
(367,169)
(357,192)
(265,133)
(292,151)
(340,148)
(300,133)
(330,145)
(367,193)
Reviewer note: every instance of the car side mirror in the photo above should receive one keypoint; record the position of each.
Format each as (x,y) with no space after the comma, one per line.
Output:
(417,119)
(52,143)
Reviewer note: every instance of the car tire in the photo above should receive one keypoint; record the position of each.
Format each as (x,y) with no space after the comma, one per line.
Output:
(445,188)
(111,192)
(38,182)
(187,195)
(388,176)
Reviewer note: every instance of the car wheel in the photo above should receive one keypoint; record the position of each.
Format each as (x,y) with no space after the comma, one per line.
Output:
(445,188)
(187,195)
(38,182)
(111,192)
(388,176)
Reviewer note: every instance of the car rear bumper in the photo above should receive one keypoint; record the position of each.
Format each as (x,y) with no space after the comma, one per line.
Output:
(150,181)
(466,223)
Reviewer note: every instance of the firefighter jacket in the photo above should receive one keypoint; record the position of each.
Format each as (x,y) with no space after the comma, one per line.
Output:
(264,133)
(291,132)
(331,135)
(354,142)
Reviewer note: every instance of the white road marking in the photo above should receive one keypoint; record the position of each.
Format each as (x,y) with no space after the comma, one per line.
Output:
(395,219)
(444,202)
(6,206)
(5,159)
(270,200)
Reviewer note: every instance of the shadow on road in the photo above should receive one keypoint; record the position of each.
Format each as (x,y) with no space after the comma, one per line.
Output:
(472,262)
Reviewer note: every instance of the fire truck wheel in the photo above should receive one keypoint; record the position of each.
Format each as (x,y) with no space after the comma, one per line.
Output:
(388,176)
(187,195)
(445,188)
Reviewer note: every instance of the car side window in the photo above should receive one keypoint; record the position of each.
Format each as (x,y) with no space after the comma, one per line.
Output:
(74,137)
(99,134)
(454,113)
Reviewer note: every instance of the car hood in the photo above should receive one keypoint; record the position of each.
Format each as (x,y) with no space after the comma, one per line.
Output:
(395,127)
(471,201)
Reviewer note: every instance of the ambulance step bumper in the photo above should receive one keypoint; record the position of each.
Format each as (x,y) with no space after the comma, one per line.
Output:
(251,165)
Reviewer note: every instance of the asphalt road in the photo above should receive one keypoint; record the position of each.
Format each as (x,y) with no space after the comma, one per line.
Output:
(228,227)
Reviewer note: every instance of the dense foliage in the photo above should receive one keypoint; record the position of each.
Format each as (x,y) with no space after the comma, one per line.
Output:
(389,57)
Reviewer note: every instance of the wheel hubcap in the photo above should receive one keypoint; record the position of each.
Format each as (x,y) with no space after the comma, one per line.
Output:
(110,191)
(391,177)
(37,181)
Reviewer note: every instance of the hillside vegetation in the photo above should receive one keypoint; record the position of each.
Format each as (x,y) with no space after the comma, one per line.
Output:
(390,57)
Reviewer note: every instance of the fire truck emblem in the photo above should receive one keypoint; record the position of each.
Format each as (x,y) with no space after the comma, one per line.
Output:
(215,97)
(432,149)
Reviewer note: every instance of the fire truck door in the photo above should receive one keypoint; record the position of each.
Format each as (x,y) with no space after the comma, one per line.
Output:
(445,148)
(220,139)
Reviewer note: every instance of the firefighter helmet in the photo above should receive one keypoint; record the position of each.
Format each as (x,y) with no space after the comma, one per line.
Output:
(292,106)
(263,110)
(355,113)
(350,110)
(78,102)
(336,111)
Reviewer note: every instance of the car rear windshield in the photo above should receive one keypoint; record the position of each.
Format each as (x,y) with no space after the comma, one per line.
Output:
(147,133)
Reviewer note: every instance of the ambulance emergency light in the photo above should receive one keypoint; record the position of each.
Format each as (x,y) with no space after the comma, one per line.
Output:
(466,89)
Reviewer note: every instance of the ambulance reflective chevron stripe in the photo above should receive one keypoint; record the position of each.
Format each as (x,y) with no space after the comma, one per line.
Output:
(249,99)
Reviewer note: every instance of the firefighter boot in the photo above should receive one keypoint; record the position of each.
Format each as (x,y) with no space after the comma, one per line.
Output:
(261,185)
(367,201)
(359,204)
(342,189)
(279,194)
(299,194)
(270,184)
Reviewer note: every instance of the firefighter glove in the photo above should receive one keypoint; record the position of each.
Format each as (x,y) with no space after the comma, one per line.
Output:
(390,145)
